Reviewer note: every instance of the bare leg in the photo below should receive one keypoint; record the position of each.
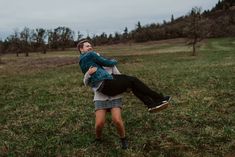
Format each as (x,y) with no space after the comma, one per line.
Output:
(99,122)
(117,119)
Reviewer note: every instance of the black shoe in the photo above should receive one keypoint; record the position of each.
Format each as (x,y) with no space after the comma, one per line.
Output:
(124,143)
(97,141)
(166,99)
(159,106)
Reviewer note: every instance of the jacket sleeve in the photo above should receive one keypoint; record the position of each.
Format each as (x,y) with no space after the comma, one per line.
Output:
(86,78)
(103,61)
(115,70)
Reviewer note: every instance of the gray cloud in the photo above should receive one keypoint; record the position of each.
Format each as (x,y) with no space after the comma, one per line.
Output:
(91,16)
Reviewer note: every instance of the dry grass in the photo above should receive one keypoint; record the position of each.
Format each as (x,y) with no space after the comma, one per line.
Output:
(46,111)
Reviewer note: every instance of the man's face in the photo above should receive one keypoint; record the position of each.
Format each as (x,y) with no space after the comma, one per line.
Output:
(86,47)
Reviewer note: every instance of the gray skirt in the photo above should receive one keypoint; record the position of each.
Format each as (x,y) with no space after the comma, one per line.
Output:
(108,104)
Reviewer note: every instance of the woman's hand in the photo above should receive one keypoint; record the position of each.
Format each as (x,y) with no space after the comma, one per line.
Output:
(92,70)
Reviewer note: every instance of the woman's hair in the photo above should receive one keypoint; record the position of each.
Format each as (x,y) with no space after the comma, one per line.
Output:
(81,42)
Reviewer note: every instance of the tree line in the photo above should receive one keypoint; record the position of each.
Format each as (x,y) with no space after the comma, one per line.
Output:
(38,40)
(196,25)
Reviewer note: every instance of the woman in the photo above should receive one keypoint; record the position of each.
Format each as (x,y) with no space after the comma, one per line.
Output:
(112,85)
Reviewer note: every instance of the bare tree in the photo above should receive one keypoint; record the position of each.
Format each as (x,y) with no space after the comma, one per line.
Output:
(125,36)
(1,51)
(14,44)
(194,28)
(66,37)
(25,39)
(60,37)
(79,36)
(50,38)
(39,37)
(53,39)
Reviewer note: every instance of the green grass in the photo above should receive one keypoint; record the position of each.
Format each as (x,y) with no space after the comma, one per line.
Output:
(46,111)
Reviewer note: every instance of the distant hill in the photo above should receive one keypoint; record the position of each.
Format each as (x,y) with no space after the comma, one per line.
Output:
(217,22)
(224,5)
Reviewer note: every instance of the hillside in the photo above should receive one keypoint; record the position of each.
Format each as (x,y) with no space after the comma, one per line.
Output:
(47,111)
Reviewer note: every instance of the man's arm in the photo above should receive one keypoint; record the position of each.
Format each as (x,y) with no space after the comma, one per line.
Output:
(110,70)
(103,61)
(88,75)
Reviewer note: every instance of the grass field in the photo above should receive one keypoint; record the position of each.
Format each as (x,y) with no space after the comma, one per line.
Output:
(46,111)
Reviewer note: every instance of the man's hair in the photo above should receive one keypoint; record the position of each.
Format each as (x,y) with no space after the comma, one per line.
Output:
(81,42)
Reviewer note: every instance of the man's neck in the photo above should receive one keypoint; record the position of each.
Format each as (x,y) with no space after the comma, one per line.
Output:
(83,52)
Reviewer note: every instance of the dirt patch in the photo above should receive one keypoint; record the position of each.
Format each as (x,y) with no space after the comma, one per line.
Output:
(50,62)
(167,41)
(21,65)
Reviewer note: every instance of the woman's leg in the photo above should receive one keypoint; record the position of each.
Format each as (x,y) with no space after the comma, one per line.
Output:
(121,83)
(117,119)
(99,122)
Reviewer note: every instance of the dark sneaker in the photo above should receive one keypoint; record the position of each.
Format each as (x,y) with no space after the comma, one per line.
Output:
(97,141)
(160,106)
(166,99)
(124,143)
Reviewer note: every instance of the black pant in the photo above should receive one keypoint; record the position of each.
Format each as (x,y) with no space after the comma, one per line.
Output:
(121,83)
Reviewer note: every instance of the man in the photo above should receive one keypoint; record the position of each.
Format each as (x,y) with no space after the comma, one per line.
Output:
(104,104)
(112,85)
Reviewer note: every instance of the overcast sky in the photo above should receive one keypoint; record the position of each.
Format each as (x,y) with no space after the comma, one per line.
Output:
(91,16)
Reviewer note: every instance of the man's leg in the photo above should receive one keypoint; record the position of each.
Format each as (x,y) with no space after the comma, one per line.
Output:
(99,122)
(117,119)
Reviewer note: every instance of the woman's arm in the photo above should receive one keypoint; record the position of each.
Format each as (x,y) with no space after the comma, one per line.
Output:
(88,74)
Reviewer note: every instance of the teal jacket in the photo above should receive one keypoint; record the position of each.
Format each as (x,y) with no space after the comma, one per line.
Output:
(91,59)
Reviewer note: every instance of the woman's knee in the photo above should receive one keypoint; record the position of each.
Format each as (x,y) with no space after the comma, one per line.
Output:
(99,124)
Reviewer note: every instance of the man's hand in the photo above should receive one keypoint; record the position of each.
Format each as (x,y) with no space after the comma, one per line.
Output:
(92,70)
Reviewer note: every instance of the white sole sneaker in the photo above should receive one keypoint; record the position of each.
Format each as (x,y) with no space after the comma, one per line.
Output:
(159,108)
(167,100)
